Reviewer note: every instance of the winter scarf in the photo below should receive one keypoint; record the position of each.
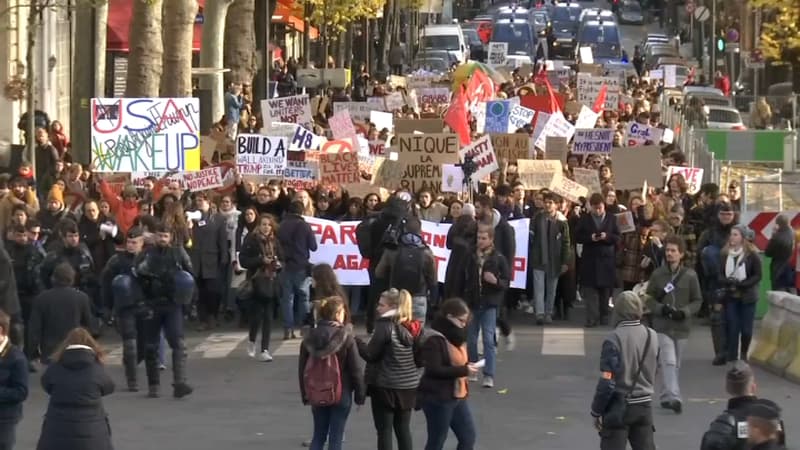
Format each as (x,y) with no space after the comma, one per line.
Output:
(734,265)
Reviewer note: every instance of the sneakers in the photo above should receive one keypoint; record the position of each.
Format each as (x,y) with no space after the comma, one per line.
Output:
(488,382)
(510,342)
(287,334)
(473,378)
(540,319)
(264,356)
(181,390)
(548,319)
(251,349)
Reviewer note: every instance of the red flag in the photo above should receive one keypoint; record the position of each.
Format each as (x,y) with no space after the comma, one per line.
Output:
(456,117)
(480,87)
(599,104)
(554,107)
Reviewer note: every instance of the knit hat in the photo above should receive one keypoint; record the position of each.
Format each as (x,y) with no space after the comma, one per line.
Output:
(628,306)
(746,232)
(56,194)
(468,209)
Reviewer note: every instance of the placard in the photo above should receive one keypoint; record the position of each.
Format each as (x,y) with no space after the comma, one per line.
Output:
(692,175)
(293,109)
(538,173)
(452,178)
(656,74)
(589,178)
(433,96)
(422,156)
(637,134)
(145,134)
(586,118)
(301,175)
(260,155)
(403,126)
(670,76)
(357,110)
(210,178)
(589,87)
(382,120)
(569,189)
(519,117)
(394,101)
(478,112)
(342,125)
(138,179)
(498,53)
(586,55)
(511,146)
(593,140)
(497,115)
(304,139)
(483,156)
(556,148)
(556,125)
(388,171)
(625,222)
(338,168)
(633,166)
(377,147)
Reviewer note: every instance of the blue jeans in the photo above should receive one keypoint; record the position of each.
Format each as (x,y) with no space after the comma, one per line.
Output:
(294,298)
(329,423)
(544,292)
(441,417)
(484,319)
(739,317)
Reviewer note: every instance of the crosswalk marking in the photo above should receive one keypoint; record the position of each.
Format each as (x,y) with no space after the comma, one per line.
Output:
(219,345)
(288,348)
(563,341)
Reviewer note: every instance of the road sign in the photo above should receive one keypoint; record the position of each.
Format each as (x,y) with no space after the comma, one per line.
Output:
(690,6)
(701,14)
(755,60)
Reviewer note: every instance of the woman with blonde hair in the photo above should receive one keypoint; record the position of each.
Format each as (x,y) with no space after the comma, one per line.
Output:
(392,377)
(740,276)
(308,203)
(76,382)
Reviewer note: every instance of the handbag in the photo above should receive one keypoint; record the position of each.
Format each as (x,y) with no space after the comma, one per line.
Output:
(614,416)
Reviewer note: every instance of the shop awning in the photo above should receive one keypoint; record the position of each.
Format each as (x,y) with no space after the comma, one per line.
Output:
(120,14)
(290,13)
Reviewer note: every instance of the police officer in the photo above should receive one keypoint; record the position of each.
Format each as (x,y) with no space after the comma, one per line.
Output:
(26,260)
(122,296)
(764,426)
(164,273)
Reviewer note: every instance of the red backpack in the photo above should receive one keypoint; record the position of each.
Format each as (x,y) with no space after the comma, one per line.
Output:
(322,380)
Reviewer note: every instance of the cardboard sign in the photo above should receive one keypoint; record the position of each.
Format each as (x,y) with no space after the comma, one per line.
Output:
(692,175)
(632,166)
(519,117)
(403,126)
(294,109)
(388,171)
(656,74)
(377,148)
(301,175)
(589,178)
(538,174)
(670,76)
(382,120)
(304,139)
(145,134)
(394,101)
(422,155)
(433,96)
(483,156)
(210,178)
(586,118)
(452,178)
(357,110)
(478,112)
(594,140)
(498,53)
(511,146)
(589,87)
(260,155)
(556,125)
(138,179)
(556,148)
(497,115)
(397,81)
(637,134)
(625,222)
(338,168)
(342,125)
(569,189)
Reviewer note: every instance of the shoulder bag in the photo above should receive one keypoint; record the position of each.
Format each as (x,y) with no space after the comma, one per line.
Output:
(614,416)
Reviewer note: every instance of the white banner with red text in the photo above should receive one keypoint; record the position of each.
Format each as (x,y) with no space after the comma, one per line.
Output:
(337,246)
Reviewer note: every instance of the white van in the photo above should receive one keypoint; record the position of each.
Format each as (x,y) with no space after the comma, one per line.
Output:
(445,37)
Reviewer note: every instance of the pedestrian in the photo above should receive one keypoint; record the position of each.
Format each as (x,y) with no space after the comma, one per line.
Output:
(443,388)
(549,252)
(210,255)
(13,384)
(77,381)
(329,358)
(673,297)
(740,276)
(297,241)
(234,105)
(780,249)
(487,279)
(621,407)
(260,255)
(392,377)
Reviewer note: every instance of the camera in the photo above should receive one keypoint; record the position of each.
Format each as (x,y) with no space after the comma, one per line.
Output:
(468,167)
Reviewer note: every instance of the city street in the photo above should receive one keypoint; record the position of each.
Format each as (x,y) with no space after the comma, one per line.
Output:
(541,400)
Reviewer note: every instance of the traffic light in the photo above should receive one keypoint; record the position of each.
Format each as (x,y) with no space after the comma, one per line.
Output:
(720,44)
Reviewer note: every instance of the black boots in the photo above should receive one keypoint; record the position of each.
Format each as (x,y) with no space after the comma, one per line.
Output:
(718,337)
(129,360)
(179,387)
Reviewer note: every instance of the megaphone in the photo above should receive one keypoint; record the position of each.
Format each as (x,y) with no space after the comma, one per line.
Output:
(109,229)
(194,215)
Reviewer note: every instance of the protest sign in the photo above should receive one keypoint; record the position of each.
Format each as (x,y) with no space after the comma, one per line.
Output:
(357,110)
(589,87)
(483,156)
(625,222)
(145,134)
(337,246)
(382,120)
(301,174)
(139,179)
(569,189)
(478,111)
(338,168)
(452,178)
(422,155)
(637,134)
(397,81)
(403,126)
(498,53)
(589,178)
(394,101)
(260,155)
(556,148)
(294,109)
(656,74)
(538,174)
(632,166)
(692,175)
(497,115)
(670,76)
(388,171)
(303,139)
(434,96)
(541,120)
(586,118)
(377,148)
(210,178)
(511,146)
(519,117)
(556,125)
(593,140)
(342,125)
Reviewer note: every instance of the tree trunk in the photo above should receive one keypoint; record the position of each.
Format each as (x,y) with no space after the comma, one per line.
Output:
(348,47)
(211,52)
(306,35)
(178,25)
(146,49)
(240,41)
(30,80)
(100,33)
(386,29)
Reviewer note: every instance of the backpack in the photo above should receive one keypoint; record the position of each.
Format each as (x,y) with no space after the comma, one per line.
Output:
(322,380)
(364,236)
(722,434)
(391,237)
(407,269)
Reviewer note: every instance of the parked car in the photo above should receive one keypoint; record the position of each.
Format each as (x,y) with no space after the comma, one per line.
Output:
(724,118)
(630,12)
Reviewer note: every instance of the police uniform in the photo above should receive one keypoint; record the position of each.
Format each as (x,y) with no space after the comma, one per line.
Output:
(80,258)
(165,277)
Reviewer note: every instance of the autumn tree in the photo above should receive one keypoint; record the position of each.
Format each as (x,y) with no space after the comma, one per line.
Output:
(333,16)
(240,41)
(780,29)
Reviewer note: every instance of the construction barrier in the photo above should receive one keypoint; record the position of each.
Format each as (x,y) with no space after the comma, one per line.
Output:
(777,341)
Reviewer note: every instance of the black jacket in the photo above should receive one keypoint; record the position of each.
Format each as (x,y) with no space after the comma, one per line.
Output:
(102,247)
(598,260)
(328,338)
(297,241)
(155,268)
(390,355)
(210,252)
(50,226)
(75,418)
(475,290)
(80,258)
(440,375)
(13,384)
(9,299)
(26,260)
(54,314)
(461,241)
(746,290)
(119,264)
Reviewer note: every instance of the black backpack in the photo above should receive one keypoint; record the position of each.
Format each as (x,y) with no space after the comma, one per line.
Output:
(722,434)
(407,269)
(364,236)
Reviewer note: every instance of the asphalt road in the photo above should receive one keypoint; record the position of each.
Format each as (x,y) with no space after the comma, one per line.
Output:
(541,400)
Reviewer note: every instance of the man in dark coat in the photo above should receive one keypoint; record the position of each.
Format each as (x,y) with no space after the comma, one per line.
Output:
(599,235)
(13,384)
(297,241)
(25,261)
(549,250)
(210,255)
(57,311)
